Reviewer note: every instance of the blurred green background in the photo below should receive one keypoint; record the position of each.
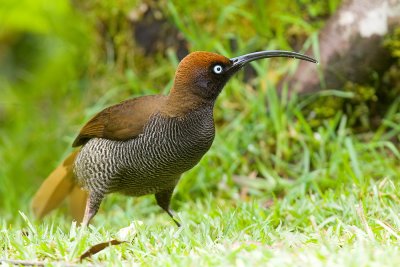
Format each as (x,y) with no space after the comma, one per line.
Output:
(63,61)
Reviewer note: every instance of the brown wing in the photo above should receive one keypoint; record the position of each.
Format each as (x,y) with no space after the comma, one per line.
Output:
(123,121)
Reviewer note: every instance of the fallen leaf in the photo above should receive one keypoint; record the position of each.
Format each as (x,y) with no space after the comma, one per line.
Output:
(99,247)
(128,233)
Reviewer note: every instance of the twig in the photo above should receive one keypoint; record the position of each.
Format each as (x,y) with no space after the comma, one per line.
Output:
(38,263)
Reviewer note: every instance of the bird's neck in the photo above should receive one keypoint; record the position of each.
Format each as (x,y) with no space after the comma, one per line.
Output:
(179,104)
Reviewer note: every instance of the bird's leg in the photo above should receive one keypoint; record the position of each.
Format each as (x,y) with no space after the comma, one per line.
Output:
(92,206)
(163,199)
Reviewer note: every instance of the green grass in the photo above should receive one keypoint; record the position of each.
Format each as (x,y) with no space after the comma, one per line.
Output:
(335,228)
(336,204)
(272,190)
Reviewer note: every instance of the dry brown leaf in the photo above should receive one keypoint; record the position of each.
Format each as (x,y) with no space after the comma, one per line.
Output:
(99,247)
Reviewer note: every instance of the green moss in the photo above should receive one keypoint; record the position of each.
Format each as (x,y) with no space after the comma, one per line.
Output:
(369,101)
(392,42)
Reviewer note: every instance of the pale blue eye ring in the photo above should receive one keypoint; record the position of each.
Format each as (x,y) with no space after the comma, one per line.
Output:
(217,69)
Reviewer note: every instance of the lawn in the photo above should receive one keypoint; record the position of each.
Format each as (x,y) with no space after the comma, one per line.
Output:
(274,189)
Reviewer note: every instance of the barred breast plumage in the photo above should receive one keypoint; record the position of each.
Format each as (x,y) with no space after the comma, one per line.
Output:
(142,145)
(149,163)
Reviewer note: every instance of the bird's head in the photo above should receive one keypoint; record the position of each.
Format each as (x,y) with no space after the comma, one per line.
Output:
(204,74)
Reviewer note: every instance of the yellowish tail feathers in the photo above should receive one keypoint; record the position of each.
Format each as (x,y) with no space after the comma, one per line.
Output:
(57,186)
(77,203)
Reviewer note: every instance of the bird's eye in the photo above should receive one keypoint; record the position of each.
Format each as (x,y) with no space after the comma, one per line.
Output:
(217,69)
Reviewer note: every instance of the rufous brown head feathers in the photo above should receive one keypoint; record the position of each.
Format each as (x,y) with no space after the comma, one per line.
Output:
(201,76)
(204,74)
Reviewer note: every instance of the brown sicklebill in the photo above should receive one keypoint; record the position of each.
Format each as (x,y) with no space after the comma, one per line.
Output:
(143,145)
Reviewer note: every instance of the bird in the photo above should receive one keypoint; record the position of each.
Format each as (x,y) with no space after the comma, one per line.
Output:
(143,145)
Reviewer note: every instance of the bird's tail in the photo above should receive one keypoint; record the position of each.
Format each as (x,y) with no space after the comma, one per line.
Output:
(59,185)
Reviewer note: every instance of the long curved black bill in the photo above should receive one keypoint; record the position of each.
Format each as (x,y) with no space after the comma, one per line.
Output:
(240,61)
